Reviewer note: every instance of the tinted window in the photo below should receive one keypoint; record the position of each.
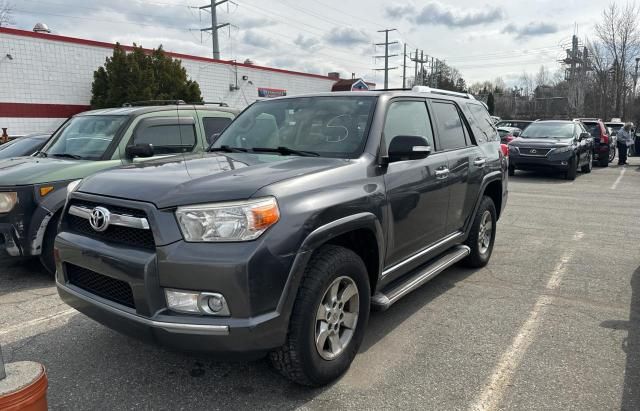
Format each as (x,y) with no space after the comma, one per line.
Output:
(214,125)
(593,129)
(328,126)
(407,118)
(21,147)
(549,130)
(482,124)
(450,129)
(168,138)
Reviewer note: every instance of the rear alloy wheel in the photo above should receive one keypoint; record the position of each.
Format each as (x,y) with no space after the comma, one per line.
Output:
(482,235)
(588,166)
(328,319)
(612,153)
(572,169)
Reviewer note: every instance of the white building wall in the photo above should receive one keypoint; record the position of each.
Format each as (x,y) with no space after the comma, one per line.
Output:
(53,71)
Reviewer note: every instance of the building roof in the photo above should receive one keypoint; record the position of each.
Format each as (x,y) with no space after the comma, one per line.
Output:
(347,85)
(94,43)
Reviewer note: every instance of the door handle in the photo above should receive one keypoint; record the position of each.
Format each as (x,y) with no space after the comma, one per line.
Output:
(480,162)
(442,173)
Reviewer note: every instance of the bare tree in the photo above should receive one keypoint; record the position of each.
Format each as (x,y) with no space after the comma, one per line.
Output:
(5,13)
(526,82)
(602,69)
(543,77)
(619,35)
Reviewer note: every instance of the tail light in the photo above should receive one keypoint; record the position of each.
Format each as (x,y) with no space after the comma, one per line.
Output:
(604,138)
(505,150)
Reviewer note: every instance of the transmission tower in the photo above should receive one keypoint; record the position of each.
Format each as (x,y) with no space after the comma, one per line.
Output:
(214,26)
(386,56)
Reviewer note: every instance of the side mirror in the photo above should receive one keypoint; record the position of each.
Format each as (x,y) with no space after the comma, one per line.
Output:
(583,136)
(139,150)
(408,148)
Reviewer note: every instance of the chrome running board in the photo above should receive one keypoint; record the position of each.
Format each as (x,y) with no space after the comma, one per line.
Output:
(382,300)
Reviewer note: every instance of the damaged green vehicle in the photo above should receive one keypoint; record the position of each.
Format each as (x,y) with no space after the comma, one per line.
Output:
(33,189)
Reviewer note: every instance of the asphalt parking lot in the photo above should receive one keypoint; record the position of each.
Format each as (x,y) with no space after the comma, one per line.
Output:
(552,323)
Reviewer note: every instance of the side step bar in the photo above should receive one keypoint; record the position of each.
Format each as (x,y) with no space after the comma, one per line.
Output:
(382,300)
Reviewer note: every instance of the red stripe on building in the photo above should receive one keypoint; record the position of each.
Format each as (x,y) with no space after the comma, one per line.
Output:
(40,110)
(75,40)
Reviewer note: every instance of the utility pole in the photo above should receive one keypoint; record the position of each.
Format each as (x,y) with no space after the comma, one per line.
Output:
(419,60)
(415,76)
(386,56)
(404,67)
(214,26)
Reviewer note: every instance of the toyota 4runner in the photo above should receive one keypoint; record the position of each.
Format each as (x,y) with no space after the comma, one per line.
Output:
(306,212)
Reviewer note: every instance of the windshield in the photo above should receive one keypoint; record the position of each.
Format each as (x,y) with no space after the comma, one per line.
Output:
(85,137)
(549,130)
(328,126)
(21,147)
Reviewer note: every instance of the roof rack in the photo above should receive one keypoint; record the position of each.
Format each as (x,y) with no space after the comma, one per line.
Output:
(426,89)
(213,103)
(154,103)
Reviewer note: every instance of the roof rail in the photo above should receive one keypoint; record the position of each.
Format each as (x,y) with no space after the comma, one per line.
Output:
(213,103)
(154,103)
(426,89)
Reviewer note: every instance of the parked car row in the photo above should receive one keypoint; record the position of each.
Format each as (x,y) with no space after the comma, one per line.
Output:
(275,236)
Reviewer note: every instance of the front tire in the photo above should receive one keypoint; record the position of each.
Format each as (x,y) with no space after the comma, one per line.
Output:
(328,319)
(588,166)
(46,253)
(482,235)
(572,169)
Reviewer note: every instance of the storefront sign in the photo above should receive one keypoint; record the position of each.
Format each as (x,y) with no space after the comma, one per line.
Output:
(271,92)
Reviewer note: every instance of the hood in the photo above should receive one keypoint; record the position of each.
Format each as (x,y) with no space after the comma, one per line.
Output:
(541,142)
(202,178)
(37,170)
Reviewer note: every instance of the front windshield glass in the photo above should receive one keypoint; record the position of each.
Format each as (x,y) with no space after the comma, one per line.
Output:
(85,137)
(549,130)
(328,126)
(21,147)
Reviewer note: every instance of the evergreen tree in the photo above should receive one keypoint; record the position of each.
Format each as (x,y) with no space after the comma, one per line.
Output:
(140,75)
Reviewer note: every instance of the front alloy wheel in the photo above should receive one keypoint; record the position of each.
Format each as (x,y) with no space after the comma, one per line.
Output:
(336,317)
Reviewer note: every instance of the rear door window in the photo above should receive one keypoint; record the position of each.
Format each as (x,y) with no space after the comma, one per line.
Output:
(593,129)
(450,128)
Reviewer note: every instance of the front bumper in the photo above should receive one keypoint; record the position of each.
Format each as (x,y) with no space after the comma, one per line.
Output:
(555,161)
(251,277)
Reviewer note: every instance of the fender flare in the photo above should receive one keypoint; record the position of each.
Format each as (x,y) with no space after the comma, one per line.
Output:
(488,179)
(41,218)
(316,239)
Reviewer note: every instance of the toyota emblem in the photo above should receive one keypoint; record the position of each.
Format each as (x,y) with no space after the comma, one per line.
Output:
(533,151)
(99,220)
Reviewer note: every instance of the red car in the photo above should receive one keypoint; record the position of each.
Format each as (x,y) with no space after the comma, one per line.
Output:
(604,145)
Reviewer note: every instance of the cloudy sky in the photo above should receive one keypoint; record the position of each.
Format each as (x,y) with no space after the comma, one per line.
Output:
(482,40)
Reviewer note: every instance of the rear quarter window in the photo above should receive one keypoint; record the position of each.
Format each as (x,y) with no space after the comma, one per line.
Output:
(481,124)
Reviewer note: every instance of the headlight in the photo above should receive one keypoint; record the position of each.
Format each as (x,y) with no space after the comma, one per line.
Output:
(8,201)
(237,221)
(72,186)
(562,149)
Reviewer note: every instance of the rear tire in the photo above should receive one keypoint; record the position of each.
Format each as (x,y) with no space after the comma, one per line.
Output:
(512,171)
(309,356)
(612,154)
(482,236)
(46,253)
(572,169)
(589,166)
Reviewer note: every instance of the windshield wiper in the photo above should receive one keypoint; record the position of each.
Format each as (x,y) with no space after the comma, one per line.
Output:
(67,155)
(285,151)
(228,149)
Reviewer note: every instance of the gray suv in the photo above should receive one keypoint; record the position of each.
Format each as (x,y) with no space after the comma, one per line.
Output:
(305,213)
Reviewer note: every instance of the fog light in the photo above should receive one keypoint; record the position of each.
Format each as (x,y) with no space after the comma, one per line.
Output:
(564,163)
(194,302)
(182,301)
